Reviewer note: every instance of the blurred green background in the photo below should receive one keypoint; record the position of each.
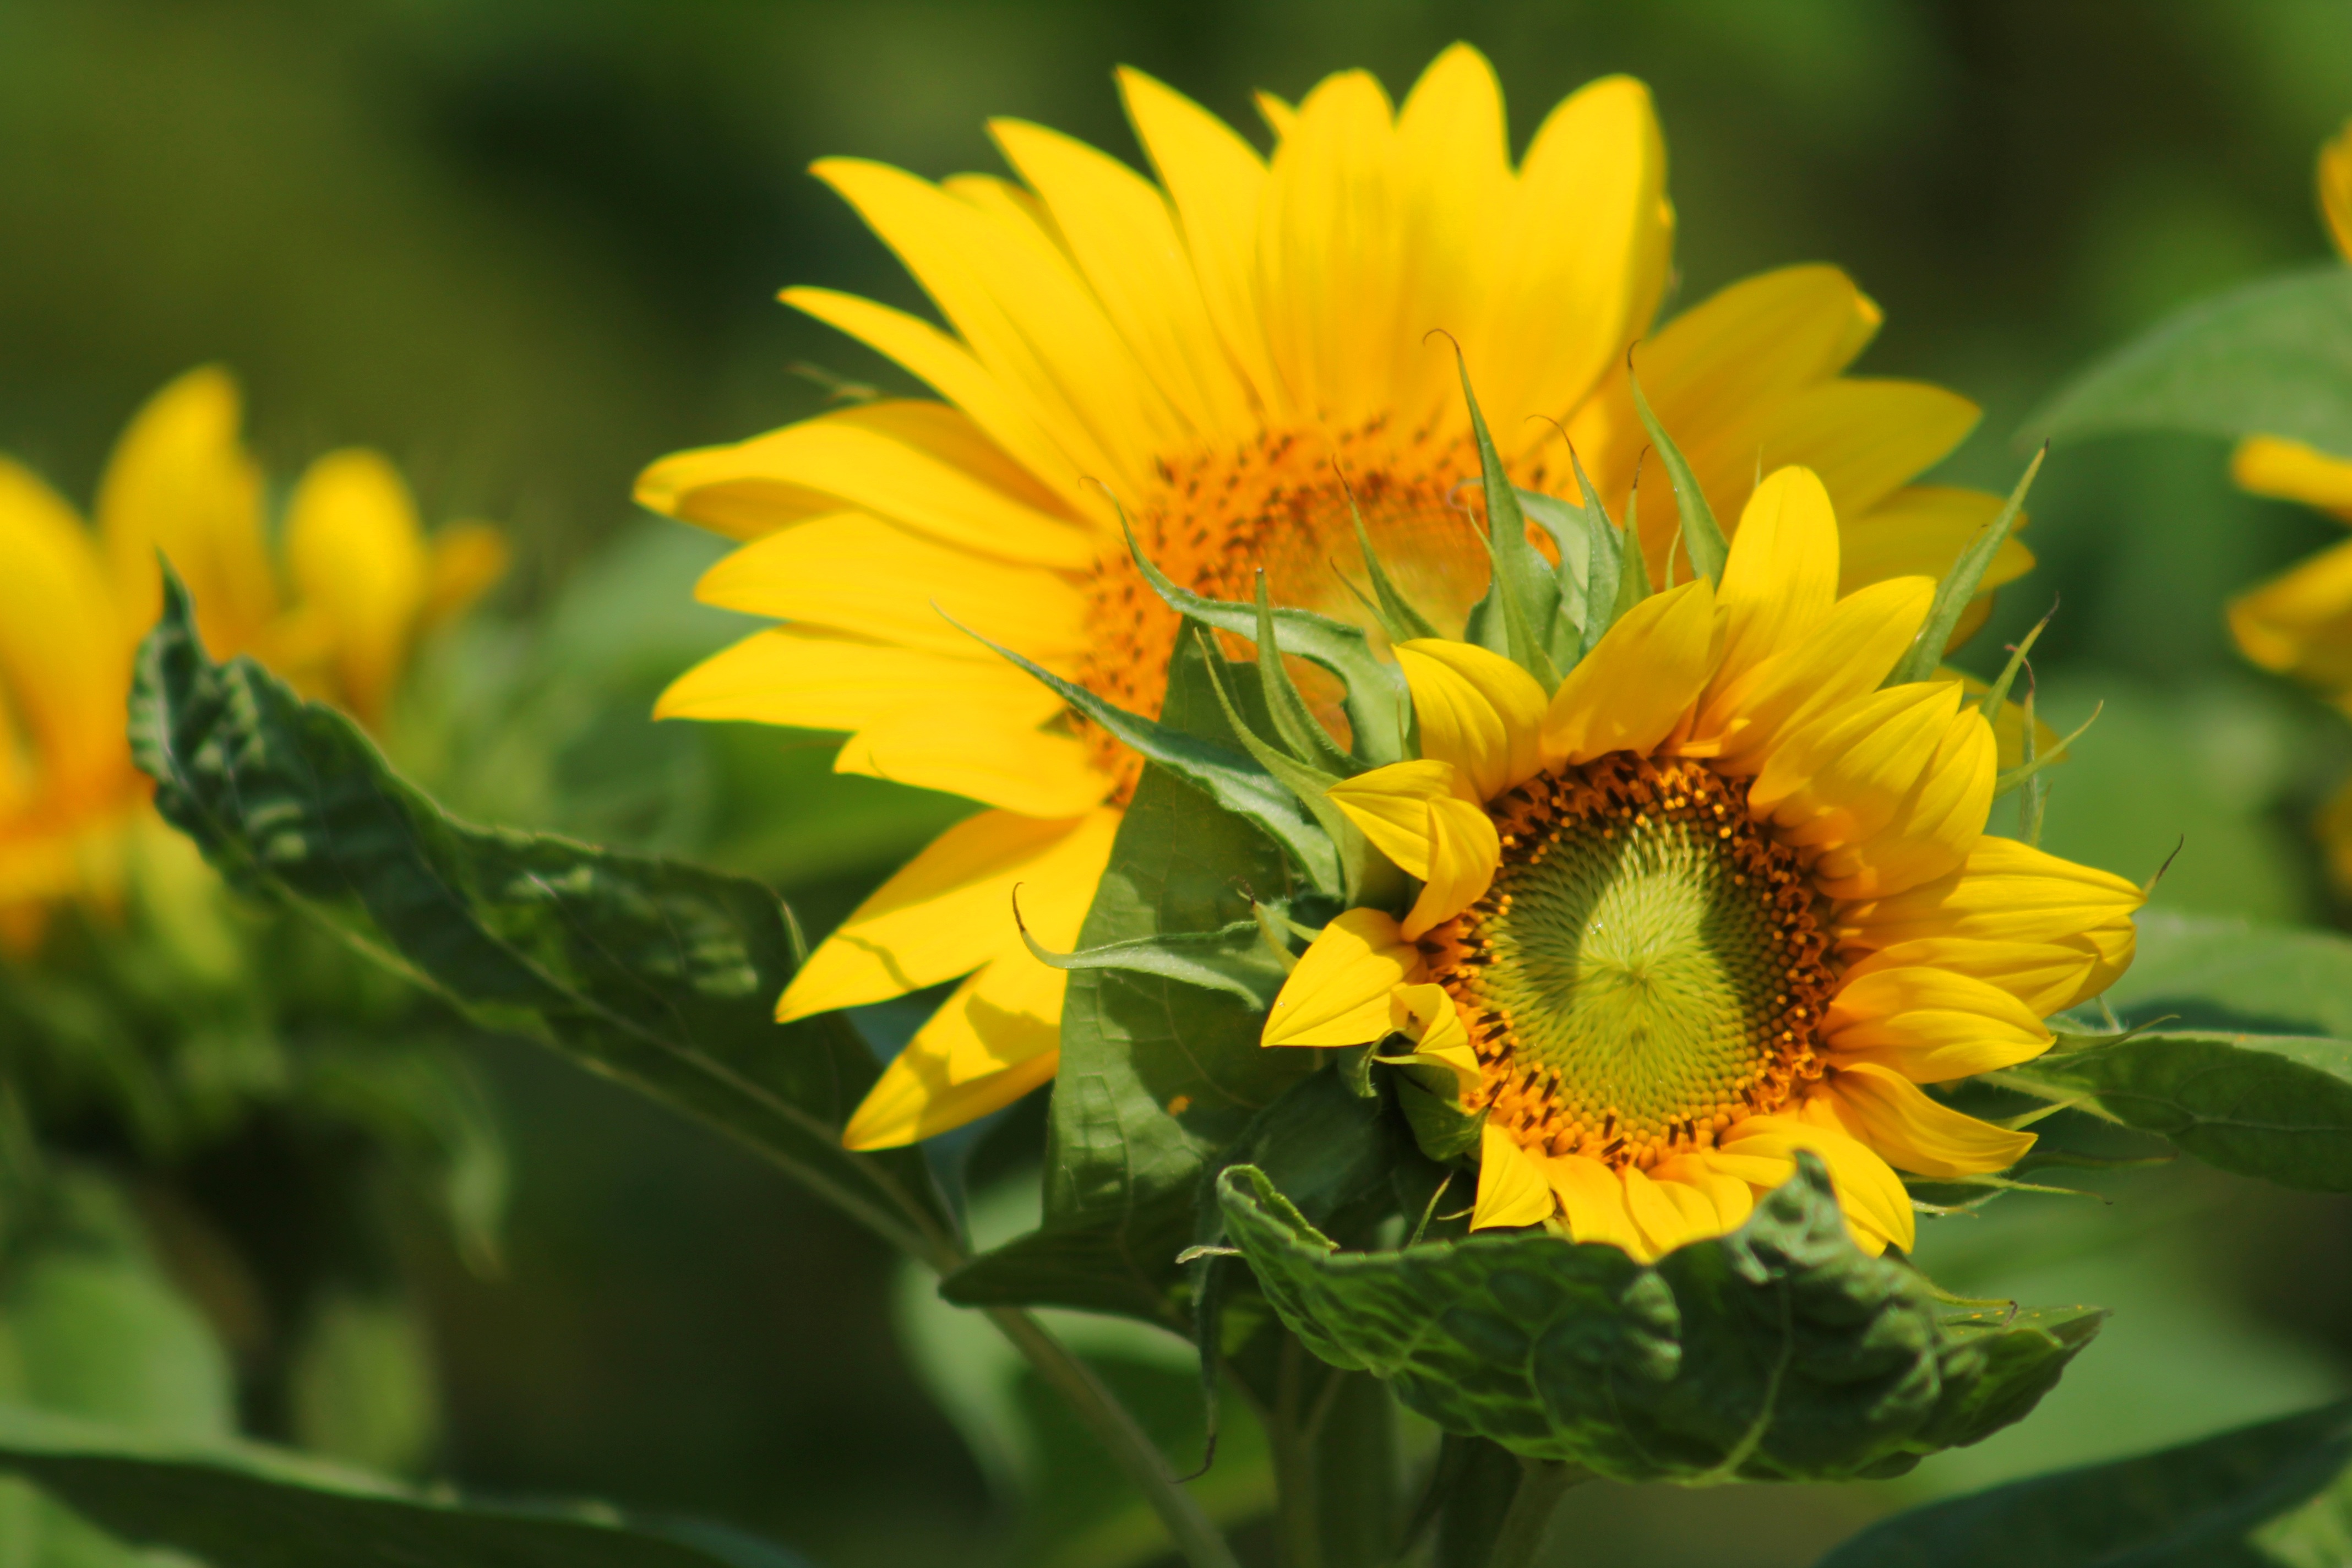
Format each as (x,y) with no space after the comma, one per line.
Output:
(525,248)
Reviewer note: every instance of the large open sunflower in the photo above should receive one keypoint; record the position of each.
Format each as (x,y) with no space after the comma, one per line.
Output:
(1722,896)
(1227,352)
(361,582)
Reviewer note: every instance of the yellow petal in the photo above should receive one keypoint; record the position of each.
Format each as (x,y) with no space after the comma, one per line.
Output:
(65,648)
(859,574)
(1931,1025)
(1213,180)
(1668,1214)
(463,560)
(991,1043)
(2006,891)
(2044,977)
(980,757)
(814,679)
(1933,827)
(1464,851)
(1428,1017)
(1477,710)
(1780,577)
(1731,1199)
(950,910)
(1338,994)
(1866,436)
(1844,658)
(1454,170)
(1592,1198)
(1914,1132)
(180,481)
(2300,622)
(1842,779)
(1638,682)
(1511,1185)
(1877,1209)
(1390,806)
(357,558)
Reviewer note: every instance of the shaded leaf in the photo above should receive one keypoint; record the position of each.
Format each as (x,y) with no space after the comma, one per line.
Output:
(259,1508)
(1779,1351)
(1233,960)
(658,975)
(2269,1496)
(2210,973)
(2273,357)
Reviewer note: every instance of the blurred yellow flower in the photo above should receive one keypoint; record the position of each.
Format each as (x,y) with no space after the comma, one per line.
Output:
(361,582)
(1220,350)
(2300,622)
(1720,898)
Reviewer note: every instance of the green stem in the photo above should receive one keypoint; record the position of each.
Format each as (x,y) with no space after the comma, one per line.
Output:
(1298,1535)
(1196,1539)
(1542,1483)
(1354,1439)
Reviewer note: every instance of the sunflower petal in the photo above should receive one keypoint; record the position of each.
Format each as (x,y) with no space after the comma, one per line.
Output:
(992,1042)
(1338,994)
(1632,690)
(1914,1132)
(1511,1185)
(1477,710)
(1464,851)
(357,557)
(1390,804)
(1592,1199)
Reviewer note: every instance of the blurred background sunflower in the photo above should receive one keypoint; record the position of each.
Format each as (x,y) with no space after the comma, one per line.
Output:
(525,249)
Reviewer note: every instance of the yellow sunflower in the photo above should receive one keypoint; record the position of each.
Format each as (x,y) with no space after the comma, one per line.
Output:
(1719,897)
(2300,623)
(364,582)
(1226,352)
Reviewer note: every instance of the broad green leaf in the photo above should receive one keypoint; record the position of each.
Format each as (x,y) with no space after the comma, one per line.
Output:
(2269,1496)
(2208,972)
(658,975)
(1959,586)
(1227,774)
(1779,1351)
(1378,708)
(2273,357)
(1703,537)
(1156,1077)
(259,1508)
(2274,1106)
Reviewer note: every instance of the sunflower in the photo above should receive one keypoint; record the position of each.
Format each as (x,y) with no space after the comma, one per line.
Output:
(364,581)
(1234,354)
(2300,623)
(1721,897)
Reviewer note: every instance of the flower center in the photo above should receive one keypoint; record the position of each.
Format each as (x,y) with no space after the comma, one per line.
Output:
(1647,969)
(1280,503)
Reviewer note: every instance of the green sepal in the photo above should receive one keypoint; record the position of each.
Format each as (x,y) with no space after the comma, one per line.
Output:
(1308,741)
(1998,692)
(1566,525)
(1606,550)
(1703,537)
(1960,586)
(653,973)
(1522,587)
(1235,781)
(1396,614)
(1633,565)
(2277,1493)
(2027,767)
(1233,960)
(1380,712)
(1779,1351)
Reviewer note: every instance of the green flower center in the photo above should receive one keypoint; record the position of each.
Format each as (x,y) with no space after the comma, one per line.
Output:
(1647,969)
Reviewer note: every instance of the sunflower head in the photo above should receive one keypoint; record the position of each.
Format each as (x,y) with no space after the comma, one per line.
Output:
(1722,894)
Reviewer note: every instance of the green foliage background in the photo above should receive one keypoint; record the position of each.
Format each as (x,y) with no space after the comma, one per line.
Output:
(527,247)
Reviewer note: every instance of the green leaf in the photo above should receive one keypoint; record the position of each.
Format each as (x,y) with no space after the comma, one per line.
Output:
(1702,535)
(2274,1106)
(1960,586)
(1232,778)
(1779,1351)
(2268,1496)
(261,1508)
(2273,357)
(1522,589)
(2234,974)
(657,974)
(1156,1077)
(1378,708)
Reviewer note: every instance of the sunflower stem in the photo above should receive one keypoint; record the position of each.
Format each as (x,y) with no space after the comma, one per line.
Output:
(1197,1540)
(1542,1483)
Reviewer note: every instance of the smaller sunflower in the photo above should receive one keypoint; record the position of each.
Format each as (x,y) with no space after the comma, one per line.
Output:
(365,583)
(2300,622)
(1722,896)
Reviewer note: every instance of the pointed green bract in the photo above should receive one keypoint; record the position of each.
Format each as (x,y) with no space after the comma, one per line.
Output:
(1379,710)
(1234,780)
(1232,959)
(1702,537)
(1398,617)
(1604,555)
(1308,741)
(1959,585)
(1632,566)
(1997,693)
(2030,766)
(1522,587)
